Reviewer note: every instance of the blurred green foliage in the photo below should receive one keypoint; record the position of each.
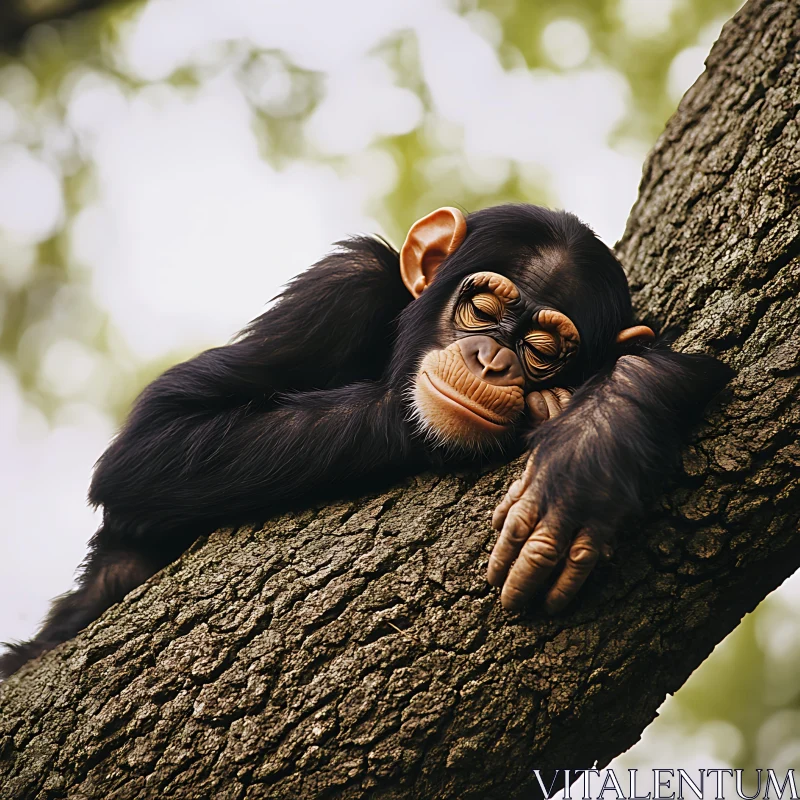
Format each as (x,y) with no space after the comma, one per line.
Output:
(45,295)
(52,55)
(643,60)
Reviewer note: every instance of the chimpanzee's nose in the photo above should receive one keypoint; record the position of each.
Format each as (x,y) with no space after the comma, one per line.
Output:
(492,362)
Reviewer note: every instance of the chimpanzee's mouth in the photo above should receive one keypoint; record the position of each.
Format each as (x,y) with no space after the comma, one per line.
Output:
(463,406)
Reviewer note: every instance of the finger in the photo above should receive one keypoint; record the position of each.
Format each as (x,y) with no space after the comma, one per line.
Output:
(519,523)
(512,495)
(583,555)
(563,395)
(553,406)
(537,406)
(537,559)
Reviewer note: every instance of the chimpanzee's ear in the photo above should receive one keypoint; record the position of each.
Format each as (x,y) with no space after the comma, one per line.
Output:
(639,334)
(429,242)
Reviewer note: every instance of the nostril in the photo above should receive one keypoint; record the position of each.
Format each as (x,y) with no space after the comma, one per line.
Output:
(498,367)
(500,361)
(489,360)
(487,355)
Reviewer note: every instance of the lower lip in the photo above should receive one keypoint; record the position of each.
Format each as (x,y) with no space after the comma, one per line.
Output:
(463,410)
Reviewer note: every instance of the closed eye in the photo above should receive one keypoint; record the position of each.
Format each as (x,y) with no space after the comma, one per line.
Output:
(546,348)
(543,343)
(479,311)
(541,349)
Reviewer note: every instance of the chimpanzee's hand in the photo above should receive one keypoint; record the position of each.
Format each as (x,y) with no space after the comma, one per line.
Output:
(593,467)
(544,550)
(537,539)
(547,403)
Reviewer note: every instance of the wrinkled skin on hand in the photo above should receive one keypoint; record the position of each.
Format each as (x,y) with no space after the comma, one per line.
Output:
(532,545)
(547,403)
(593,468)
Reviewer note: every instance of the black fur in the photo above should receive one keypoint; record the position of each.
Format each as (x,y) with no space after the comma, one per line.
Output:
(314,394)
(607,454)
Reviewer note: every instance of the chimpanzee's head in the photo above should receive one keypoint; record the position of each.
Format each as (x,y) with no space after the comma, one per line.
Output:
(523,299)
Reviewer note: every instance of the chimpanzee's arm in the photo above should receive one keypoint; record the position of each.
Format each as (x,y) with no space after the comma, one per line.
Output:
(190,459)
(207,438)
(594,466)
(179,467)
(212,441)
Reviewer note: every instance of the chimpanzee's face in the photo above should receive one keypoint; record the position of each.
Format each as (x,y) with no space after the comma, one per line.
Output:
(514,304)
(499,343)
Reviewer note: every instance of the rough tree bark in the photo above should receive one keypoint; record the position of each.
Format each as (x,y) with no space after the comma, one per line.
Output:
(356,650)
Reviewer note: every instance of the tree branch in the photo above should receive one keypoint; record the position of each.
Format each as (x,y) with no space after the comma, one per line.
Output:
(356,650)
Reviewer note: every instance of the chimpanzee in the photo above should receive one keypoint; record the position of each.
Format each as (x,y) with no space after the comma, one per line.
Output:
(467,343)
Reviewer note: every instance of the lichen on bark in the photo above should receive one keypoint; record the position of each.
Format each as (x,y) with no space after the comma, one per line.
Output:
(355,650)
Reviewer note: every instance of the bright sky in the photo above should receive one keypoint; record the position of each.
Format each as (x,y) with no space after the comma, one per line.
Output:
(192,232)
